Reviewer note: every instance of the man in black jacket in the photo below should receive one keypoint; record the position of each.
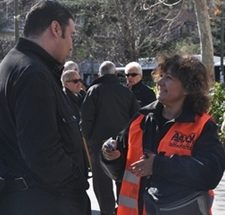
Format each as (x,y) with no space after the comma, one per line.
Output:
(106,110)
(134,75)
(41,162)
(72,87)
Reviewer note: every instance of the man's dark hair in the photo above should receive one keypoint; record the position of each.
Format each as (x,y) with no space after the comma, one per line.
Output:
(39,18)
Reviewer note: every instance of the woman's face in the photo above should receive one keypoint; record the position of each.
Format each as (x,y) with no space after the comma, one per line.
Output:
(170,90)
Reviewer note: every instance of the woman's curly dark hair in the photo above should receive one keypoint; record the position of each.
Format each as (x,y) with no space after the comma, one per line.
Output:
(193,76)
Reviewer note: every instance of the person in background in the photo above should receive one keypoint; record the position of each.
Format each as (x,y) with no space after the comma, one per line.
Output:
(106,110)
(41,163)
(71,65)
(72,87)
(134,75)
(171,148)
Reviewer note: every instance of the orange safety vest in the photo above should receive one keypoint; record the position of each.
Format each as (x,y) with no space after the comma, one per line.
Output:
(182,136)
(128,198)
(179,140)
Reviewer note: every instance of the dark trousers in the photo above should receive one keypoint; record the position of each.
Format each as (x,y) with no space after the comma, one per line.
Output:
(103,187)
(38,202)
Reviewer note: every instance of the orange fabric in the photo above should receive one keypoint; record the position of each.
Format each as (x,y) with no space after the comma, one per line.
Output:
(179,140)
(181,137)
(135,151)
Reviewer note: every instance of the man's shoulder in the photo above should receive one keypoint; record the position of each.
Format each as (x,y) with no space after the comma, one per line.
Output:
(19,64)
(145,87)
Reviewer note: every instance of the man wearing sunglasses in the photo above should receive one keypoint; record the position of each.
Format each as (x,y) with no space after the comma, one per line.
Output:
(71,65)
(134,75)
(72,87)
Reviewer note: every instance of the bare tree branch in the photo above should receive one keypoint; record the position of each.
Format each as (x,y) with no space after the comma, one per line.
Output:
(146,6)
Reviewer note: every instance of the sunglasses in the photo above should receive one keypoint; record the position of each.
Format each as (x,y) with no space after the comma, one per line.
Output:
(75,81)
(131,74)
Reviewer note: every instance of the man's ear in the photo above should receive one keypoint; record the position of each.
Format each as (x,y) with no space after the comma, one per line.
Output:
(56,29)
(66,84)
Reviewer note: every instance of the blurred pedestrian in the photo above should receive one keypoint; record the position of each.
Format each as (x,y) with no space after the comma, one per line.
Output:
(72,87)
(134,75)
(71,65)
(41,162)
(106,110)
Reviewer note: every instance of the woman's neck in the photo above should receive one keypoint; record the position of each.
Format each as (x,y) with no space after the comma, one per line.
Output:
(171,112)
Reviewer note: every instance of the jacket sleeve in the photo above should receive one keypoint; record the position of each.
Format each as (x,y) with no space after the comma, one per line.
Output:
(39,141)
(115,168)
(88,112)
(203,170)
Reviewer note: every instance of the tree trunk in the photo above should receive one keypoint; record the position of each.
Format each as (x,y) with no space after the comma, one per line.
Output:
(205,35)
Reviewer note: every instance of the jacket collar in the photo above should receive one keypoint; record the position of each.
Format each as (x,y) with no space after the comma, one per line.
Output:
(54,66)
(109,78)
(156,108)
(137,85)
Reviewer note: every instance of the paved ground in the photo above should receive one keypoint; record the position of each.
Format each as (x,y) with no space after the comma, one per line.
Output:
(219,202)
(218,205)
(94,203)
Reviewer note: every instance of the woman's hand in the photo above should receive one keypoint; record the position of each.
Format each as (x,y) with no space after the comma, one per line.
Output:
(111,155)
(109,150)
(143,167)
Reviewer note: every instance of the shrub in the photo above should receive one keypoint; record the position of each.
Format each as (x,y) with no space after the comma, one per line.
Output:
(217,108)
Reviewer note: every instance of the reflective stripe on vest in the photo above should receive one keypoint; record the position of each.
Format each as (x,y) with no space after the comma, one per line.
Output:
(179,140)
(129,192)
(130,177)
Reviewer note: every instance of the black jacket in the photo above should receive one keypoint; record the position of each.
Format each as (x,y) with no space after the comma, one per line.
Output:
(39,135)
(75,100)
(176,176)
(106,110)
(143,93)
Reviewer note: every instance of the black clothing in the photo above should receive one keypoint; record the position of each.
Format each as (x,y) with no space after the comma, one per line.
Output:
(38,202)
(176,176)
(143,93)
(39,135)
(75,101)
(106,110)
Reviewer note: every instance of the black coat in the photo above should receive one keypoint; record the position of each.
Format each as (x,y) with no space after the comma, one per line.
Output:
(40,138)
(143,93)
(75,100)
(106,110)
